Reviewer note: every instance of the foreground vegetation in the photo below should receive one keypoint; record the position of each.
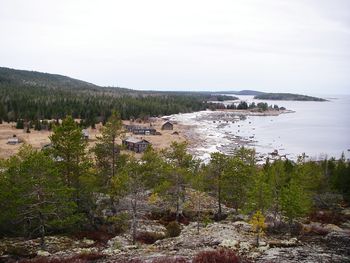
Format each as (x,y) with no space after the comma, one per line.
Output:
(55,190)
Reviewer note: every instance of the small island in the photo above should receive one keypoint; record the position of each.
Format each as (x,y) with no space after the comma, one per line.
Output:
(286,96)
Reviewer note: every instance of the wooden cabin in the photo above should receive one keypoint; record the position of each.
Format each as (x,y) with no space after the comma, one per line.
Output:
(136,145)
(85,134)
(140,130)
(13,140)
(144,131)
(167,126)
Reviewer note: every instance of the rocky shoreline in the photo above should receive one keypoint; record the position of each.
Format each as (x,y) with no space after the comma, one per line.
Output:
(203,139)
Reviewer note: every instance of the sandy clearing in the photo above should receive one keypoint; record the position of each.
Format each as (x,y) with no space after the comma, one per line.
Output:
(39,138)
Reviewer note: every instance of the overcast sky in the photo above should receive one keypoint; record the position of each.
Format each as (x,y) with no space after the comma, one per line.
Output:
(298,46)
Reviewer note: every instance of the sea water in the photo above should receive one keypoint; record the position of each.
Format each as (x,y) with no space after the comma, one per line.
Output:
(318,129)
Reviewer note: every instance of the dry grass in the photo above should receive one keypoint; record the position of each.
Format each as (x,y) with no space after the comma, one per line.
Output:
(38,139)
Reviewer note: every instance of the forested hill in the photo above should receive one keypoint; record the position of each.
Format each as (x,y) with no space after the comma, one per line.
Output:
(22,78)
(29,95)
(243,92)
(286,96)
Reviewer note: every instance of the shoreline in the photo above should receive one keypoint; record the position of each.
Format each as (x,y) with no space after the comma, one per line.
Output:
(205,139)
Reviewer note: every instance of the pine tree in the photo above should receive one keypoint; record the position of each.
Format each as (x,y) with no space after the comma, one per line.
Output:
(215,170)
(181,167)
(106,149)
(69,151)
(295,202)
(38,200)
(130,182)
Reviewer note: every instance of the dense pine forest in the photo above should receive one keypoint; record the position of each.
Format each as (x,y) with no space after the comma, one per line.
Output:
(31,96)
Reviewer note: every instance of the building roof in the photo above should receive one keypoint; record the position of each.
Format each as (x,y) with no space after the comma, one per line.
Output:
(167,122)
(135,140)
(13,139)
(85,132)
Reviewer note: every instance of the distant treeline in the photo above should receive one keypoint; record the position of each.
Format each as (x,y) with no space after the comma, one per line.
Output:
(32,103)
(31,96)
(286,96)
(261,106)
(243,105)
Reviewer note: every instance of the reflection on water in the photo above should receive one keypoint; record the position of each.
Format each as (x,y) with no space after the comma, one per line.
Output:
(318,129)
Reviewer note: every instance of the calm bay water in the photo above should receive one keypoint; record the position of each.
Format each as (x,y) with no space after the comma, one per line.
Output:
(317,129)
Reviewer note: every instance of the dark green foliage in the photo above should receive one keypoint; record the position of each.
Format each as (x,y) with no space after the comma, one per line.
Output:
(263,106)
(107,152)
(238,173)
(33,197)
(120,222)
(37,125)
(34,96)
(173,229)
(69,149)
(180,167)
(242,105)
(339,173)
(20,124)
(213,172)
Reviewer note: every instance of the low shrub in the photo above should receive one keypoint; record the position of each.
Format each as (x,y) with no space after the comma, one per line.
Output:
(171,216)
(218,256)
(170,260)
(18,252)
(80,258)
(86,257)
(120,223)
(158,214)
(206,220)
(278,227)
(315,230)
(327,217)
(173,229)
(148,237)
(220,217)
(99,236)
